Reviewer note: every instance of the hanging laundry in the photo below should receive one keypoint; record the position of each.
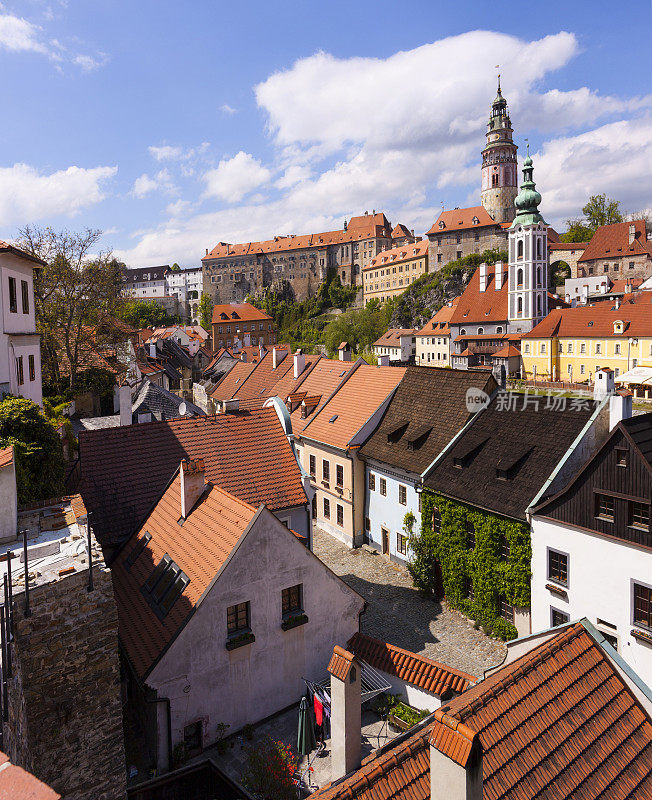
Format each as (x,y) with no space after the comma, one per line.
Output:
(319,710)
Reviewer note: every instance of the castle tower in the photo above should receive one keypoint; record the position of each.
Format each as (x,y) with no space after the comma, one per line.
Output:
(528,258)
(499,165)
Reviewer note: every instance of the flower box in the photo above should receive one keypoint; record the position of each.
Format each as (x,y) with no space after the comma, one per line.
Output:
(644,636)
(398,724)
(558,590)
(294,622)
(240,641)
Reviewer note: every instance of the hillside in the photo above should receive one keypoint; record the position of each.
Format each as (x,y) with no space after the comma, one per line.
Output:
(431,291)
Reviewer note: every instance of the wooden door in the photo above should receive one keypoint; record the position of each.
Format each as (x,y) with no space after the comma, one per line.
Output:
(385,535)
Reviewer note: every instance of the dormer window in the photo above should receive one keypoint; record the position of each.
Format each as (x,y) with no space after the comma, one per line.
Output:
(442,224)
(618,326)
(475,221)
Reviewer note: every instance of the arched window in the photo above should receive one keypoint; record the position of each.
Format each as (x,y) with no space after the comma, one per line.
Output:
(519,307)
(519,248)
(519,275)
(494,179)
(480,331)
(462,331)
(539,254)
(538,276)
(538,305)
(499,329)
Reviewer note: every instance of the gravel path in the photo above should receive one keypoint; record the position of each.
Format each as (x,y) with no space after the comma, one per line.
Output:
(398,614)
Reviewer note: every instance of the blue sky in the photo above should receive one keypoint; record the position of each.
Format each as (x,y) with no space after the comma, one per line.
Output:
(172,126)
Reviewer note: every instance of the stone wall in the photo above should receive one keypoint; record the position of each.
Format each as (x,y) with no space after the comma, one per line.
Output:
(65,714)
(445,247)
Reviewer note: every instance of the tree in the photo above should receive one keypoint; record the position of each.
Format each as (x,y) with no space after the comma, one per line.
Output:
(602,210)
(77,294)
(146,314)
(175,267)
(560,271)
(205,312)
(576,231)
(37,449)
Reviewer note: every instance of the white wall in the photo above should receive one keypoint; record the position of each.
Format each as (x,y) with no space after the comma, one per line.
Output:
(413,695)
(600,574)
(205,681)
(386,512)
(8,503)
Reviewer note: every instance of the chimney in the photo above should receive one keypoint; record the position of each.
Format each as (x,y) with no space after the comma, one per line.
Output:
(483,277)
(152,350)
(620,407)
(632,232)
(346,712)
(344,351)
(275,359)
(617,303)
(499,276)
(585,294)
(192,484)
(125,404)
(243,356)
(603,287)
(412,232)
(247,340)
(228,249)
(500,374)
(207,251)
(604,383)
(299,363)
(457,776)
(261,350)
(230,406)
(383,361)
(628,288)
(236,343)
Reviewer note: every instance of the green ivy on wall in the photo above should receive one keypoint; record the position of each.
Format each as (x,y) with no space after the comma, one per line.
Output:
(492,576)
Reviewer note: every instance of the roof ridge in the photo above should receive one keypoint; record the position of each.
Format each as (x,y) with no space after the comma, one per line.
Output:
(215,488)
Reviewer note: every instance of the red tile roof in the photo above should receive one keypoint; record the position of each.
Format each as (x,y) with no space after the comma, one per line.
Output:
(397,255)
(199,547)
(612,241)
(318,384)
(341,663)
(567,245)
(5,247)
(400,232)
(17,784)
(597,320)
(439,323)
(452,738)
(245,313)
(476,307)
(6,456)
(228,387)
(392,337)
(124,470)
(508,351)
(460,218)
(410,667)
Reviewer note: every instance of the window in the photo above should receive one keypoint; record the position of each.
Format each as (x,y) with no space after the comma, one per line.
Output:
(598,349)
(558,617)
(506,609)
(639,516)
(292,600)
(340,515)
(519,254)
(621,457)
(504,548)
(604,507)
(583,348)
(24,290)
(13,300)
(339,475)
(570,347)
(436,520)
(372,482)
(136,550)
(617,349)
(401,544)
(642,605)
(527,347)
(470,536)
(557,567)
(327,508)
(325,470)
(402,495)
(313,466)
(192,736)
(543,347)
(383,487)
(238,618)
(19,371)
(164,586)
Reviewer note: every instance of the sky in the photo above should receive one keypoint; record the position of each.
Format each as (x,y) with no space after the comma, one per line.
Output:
(171,126)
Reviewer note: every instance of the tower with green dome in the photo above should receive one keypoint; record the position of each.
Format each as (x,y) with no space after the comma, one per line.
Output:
(528,258)
(499,164)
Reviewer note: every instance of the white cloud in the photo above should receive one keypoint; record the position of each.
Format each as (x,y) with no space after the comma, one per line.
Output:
(17,34)
(225,108)
(27,196)
(235,177)
(90,63)
(167,152)
(161,182)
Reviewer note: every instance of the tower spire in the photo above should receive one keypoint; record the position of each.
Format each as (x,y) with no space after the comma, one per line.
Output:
(499,164)
(528,199)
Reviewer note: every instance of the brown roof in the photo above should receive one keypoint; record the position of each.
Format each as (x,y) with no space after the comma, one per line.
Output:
(400,231)
(475,306)
(612,241)
(597,320)
(392,337)
(6,456)
(125,469)
(5,247)
(460,218)
(509,351)
(228,387)
(17,784)
(357,399)
(558,723)
(244,312)
(199,547)
(396,255)
(341,663)
(567,245)
(317,386)
(410,667)
(439,323)
(427,410)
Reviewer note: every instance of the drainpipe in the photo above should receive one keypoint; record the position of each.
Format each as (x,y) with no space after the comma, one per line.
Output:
(165,700)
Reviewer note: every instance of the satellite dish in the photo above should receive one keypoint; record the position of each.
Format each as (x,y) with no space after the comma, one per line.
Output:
(182,409)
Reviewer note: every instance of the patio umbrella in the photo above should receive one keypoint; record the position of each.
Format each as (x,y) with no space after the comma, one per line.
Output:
(306,741)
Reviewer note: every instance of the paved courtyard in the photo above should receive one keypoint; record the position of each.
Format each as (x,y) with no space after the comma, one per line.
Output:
(398,614)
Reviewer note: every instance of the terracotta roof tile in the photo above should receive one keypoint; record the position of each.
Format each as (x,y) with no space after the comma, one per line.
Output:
(612,241)
(17,784)
(475,306)
(5,247)
(452,738)
(598,320)
(341,663)
(460,218)
(245,313)
(400,231)
(396,255)
(410,667)
(125,469)
(509,351)
(439,323)
(392,337)
(6,456)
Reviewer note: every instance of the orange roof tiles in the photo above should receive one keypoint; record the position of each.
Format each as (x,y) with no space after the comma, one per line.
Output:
(475,306)
(5,247)
(508,351)
(199,547)
(341,663)
(612,241)
(567,245)
(228,387)
(396,255)
(350,407)
(392,337)
(124,470)
(245,313)
(460,218)
(597,320)
(6,456)
(17,784)
(400,232)
(410,667)
(439,323)
(452,738)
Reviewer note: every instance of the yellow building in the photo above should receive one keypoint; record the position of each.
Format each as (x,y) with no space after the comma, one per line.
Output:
(392,271)
(571,344)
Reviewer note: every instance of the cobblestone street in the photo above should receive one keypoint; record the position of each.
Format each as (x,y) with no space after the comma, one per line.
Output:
(397,613)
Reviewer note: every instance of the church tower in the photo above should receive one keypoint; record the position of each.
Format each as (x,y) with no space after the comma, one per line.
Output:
(528,258)
(499,165)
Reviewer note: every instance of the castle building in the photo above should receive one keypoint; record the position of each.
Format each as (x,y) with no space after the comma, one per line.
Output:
(499,164)
(528,258)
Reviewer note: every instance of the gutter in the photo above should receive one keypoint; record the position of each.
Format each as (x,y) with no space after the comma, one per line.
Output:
(565,458)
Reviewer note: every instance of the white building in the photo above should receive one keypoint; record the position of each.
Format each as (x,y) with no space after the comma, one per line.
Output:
(144,283)
(592,543)
(433,341)
(399,345)
(20,344)
(186,286)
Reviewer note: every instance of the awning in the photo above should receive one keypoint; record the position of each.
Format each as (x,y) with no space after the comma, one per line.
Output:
(638,375)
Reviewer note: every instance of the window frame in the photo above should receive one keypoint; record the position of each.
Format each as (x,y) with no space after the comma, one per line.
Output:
(339,476)
(371,484)
(13,295)
(383,487)
(238,630)
(326,508)
(401,543)
(631,513)
(561,613)
(598,513)
(325,470)
(647,625)
(292,601)
(402,493)
(312,465)
(557,577)
(24,296)
(20,371)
